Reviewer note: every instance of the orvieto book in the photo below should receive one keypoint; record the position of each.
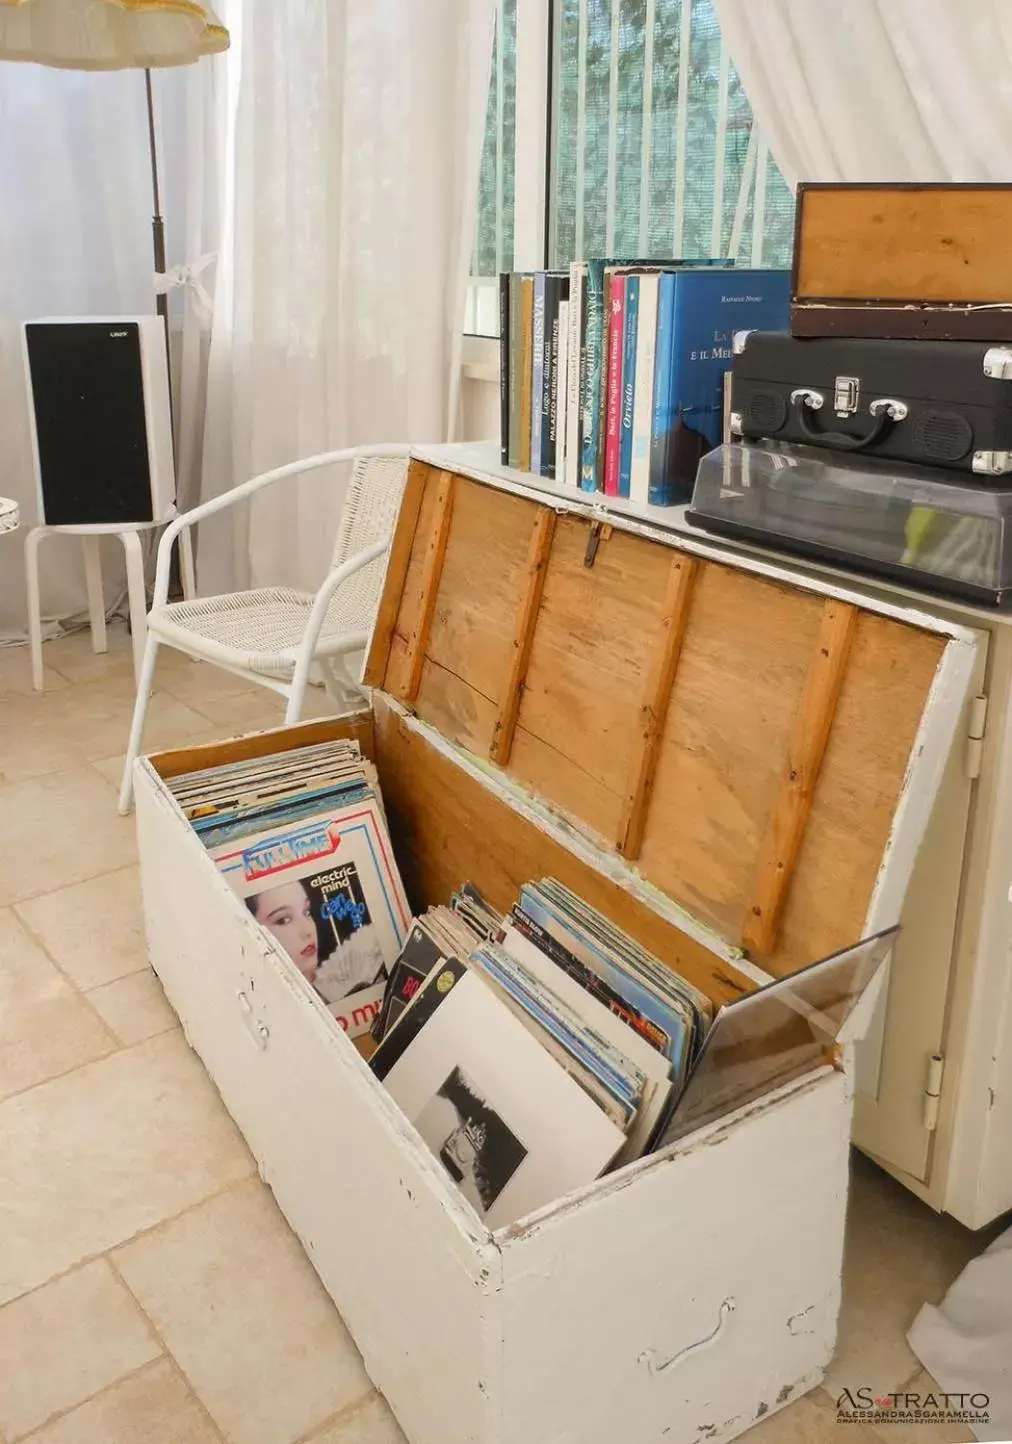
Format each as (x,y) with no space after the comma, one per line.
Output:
(630,381)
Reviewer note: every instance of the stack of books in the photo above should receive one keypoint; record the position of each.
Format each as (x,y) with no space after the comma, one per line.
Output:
(302,838)
(612,373)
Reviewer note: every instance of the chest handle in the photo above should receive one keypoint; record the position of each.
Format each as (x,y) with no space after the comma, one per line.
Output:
(661,1365)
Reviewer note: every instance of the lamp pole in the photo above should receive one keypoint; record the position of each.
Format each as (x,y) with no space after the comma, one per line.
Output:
(158,243)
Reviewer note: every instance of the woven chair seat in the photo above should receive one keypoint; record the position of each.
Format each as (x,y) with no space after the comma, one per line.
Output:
(259,631)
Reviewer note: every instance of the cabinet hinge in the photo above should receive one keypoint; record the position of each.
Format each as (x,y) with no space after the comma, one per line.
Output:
(976,727)
(933,1091)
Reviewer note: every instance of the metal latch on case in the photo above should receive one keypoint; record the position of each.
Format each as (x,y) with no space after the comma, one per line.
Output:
(846,394)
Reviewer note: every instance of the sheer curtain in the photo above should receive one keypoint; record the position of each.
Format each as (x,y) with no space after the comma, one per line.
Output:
(877,89)
(75,239)
(354,140)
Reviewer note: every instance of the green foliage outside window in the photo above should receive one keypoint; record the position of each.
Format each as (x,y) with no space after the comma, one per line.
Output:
(654,232)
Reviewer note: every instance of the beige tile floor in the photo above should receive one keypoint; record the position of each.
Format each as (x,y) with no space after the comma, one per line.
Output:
(150,1291)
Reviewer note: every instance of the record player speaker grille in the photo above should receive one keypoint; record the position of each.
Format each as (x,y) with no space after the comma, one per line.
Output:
(943,435)
(764,413)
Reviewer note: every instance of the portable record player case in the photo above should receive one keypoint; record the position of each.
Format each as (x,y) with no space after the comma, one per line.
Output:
(737,766)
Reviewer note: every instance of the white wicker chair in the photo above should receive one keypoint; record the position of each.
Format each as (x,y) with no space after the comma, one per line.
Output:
(273,635)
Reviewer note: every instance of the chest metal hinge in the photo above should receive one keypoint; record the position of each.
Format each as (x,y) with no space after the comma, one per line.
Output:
(933,1091)
(976,727)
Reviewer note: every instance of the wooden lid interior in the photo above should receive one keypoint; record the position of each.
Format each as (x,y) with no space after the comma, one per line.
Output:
(930,244)
(740,741)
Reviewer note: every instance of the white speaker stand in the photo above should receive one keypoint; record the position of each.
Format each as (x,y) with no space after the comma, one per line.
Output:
(129,535)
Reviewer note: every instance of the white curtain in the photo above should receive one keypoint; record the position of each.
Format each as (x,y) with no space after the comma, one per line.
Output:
(354,143)
(890,90)
(75,240)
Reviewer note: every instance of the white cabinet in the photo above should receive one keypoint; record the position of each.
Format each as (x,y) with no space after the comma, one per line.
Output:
(969,1170)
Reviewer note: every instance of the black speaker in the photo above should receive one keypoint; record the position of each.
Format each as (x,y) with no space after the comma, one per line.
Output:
(943,436)
(101,434)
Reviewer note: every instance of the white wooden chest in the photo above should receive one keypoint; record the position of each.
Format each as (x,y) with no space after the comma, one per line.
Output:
(737,767)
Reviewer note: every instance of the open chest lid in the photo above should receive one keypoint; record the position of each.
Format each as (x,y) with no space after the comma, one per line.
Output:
(756,751)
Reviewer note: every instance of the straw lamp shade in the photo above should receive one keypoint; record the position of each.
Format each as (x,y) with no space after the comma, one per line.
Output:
(109,34)
(116,35)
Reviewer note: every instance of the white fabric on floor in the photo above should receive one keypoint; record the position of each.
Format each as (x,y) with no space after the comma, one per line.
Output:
(965,1343)
(870,90)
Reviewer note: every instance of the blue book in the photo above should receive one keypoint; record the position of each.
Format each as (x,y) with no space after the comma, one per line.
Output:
(537,370)
(707,307)
(663,412)
(632,305)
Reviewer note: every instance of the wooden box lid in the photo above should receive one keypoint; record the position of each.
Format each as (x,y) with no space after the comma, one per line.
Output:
(761,749)
(903,243)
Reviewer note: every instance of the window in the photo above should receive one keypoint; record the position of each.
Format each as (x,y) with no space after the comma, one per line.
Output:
(493,244)
(654,151)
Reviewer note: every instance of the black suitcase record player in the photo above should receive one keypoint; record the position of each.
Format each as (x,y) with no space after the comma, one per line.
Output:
(932,403)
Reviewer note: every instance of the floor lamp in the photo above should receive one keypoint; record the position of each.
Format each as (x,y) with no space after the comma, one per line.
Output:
(116,35)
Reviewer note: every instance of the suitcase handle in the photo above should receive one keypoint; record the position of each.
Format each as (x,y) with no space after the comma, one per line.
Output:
(885,411)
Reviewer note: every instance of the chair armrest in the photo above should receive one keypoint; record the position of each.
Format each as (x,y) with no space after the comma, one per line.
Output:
(241,493)
(335,579)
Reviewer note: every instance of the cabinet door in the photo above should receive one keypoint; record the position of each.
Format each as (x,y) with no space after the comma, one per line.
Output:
(893,1060)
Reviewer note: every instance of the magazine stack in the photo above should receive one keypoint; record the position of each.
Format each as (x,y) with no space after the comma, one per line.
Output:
(302,838)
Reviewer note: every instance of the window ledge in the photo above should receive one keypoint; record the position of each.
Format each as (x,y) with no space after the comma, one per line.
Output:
(479,359)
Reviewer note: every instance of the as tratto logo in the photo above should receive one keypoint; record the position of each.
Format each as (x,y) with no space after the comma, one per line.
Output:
(908,1406)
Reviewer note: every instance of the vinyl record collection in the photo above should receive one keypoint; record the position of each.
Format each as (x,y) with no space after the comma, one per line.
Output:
(533,1050)
(302,839)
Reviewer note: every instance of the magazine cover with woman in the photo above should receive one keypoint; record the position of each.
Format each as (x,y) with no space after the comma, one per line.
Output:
(328,889)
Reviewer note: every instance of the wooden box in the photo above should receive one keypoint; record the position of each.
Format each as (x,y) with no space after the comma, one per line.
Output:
(732,765)
(902,261)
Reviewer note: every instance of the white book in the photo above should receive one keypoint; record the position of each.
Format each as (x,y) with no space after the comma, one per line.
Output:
(510,1126)
(609,1026)
(577,274)
(561,391)
(643,402)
